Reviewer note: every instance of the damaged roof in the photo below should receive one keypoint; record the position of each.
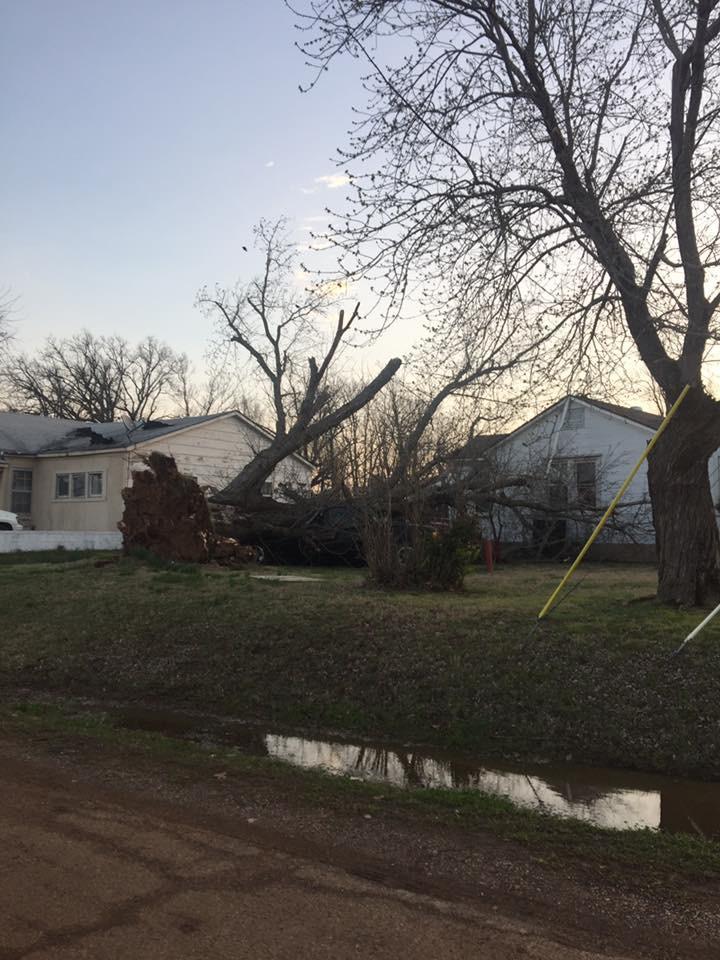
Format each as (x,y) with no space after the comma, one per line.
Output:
(117,435)
(32,435)
(26,433)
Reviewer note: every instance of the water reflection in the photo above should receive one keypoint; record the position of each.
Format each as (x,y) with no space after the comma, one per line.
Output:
(616,799)
(597,796)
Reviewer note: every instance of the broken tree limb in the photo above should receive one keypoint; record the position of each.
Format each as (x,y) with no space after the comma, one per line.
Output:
(245,488)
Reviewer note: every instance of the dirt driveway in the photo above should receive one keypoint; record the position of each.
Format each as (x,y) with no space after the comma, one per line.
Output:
(97,870)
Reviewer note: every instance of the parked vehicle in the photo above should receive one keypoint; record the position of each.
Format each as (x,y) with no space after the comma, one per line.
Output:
(9,521)
(329,536)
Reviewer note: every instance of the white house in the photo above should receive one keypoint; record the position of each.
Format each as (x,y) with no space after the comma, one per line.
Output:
(574,456)
(67,475)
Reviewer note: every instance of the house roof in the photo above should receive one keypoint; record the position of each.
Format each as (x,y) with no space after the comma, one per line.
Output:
(636,414)
(476,446)
(23,433)
(26,433)
(117,435)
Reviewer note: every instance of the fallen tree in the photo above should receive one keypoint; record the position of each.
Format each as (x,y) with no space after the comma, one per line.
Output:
(277,329)
(167,514)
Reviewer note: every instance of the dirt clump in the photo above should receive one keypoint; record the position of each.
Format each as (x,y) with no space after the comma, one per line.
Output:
(166,513)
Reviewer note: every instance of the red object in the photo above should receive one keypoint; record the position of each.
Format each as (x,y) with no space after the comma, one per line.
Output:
(489,552)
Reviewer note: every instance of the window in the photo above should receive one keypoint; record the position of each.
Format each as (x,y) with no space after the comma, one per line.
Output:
(21,491)
(267,488)
(80,486)
(586,482)
(62,485)
(574,481)
(95,485)
(574,417)
(557,485)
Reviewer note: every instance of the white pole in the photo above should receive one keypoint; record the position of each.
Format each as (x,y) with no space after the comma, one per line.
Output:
(555,434)
(698,628)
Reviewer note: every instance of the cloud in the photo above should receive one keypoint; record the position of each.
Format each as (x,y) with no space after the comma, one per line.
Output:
(314,247)
(270,163)
(333,180)
(308,190)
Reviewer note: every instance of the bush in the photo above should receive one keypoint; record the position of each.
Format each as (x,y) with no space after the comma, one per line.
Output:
(445,556)
(417,557)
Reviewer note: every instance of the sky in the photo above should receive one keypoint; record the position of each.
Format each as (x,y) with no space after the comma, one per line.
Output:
(143,139)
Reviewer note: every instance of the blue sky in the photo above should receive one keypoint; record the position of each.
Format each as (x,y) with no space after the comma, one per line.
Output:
(141,142)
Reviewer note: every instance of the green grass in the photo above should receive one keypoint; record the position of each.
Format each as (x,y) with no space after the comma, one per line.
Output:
(466,670)
(59,555)
(550,837)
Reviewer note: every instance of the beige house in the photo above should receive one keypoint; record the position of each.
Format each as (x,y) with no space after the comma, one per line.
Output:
(66,475)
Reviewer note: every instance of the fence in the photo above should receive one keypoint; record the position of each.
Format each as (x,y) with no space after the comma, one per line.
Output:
(23,540)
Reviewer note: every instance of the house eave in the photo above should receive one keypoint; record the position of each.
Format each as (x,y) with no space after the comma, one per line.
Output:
(616,416)
(554,407)
(226,416)
(55,454)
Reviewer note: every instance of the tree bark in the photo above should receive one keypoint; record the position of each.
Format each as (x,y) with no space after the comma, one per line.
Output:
(684,514)
(245,489)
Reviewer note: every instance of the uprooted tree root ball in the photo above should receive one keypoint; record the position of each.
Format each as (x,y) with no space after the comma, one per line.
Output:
(167,514)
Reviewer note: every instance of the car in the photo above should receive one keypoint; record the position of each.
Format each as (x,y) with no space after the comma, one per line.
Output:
(9,521)
(328,535)
(331,535)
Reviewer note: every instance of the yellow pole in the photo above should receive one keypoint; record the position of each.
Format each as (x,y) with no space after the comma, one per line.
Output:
(616,499)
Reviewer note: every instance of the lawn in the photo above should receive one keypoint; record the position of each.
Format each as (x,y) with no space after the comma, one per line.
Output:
(469,670)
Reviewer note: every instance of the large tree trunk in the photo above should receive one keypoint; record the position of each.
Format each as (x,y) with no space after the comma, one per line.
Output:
(684,514)
(244,490)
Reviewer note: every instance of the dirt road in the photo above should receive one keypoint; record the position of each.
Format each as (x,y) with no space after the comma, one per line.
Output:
(112,872)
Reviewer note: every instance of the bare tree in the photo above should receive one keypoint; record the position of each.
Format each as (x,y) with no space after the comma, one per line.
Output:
(372,447)
(282,331)
(573,144)
(471,350)
(94,378)
(5,323)
(363,449)
(216,392)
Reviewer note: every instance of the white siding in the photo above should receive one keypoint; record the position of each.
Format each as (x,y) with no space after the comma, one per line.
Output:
(101,514)
(614,442)
(212,452)
(217,451)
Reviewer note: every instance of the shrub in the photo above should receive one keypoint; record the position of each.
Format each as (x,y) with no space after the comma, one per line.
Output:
(416,556)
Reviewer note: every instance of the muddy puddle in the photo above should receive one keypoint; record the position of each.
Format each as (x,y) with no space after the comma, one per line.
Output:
(619,800)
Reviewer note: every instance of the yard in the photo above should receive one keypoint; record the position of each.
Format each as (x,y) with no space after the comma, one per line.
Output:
(471,670)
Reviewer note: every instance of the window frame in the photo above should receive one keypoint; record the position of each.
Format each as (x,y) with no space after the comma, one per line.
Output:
(70,496)
(63,496)
(21,491)
(88,491)
(581,498)
(78,477)
(566,474)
